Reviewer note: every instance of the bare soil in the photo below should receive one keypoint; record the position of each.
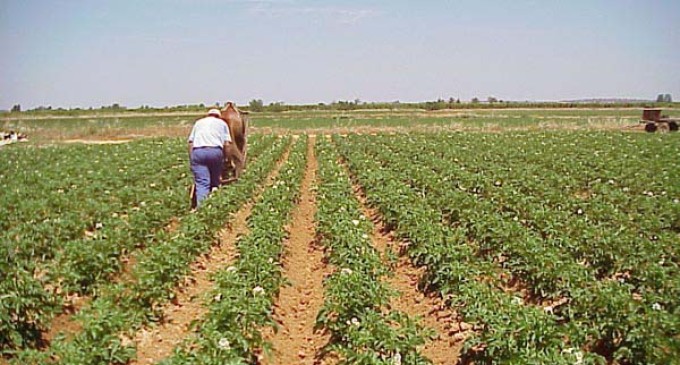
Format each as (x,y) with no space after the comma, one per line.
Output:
(296,341)
(63,323)
(157,342)
(98,141)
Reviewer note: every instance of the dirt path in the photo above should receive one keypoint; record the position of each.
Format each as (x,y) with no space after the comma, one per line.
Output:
(445,348)
(296,342)
(156,343)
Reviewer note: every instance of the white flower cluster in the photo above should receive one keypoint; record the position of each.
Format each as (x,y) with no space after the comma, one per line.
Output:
(396,359)
(224,344)
(354,321)
(577,353)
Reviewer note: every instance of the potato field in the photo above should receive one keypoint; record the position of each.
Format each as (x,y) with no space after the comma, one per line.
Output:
(468,247)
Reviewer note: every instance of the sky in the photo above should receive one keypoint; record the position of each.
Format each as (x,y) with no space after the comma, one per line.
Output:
(89,53)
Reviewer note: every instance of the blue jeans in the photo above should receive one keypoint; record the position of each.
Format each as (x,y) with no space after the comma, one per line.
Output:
(206,165)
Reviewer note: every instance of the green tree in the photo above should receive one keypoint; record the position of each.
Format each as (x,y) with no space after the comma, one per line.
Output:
(256,105)
(16,108)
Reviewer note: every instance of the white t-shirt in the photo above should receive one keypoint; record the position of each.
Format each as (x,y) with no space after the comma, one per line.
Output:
(209,132)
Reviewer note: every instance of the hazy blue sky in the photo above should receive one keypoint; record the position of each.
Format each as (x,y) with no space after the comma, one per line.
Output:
(90,53)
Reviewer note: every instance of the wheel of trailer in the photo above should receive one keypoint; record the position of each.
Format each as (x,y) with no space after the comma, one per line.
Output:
(650,127)
(673,126)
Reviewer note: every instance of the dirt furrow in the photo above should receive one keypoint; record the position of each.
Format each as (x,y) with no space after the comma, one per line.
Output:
(63,323)
(445,347)
(155,343)
(296,342)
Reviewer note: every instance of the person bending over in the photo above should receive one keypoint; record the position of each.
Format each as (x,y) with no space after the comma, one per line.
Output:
(208,142)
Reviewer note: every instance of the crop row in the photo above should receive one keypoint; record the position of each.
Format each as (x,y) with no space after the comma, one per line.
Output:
(59,221)
(95,258)
(507,330)
(597,202)
(81,263)
(631,328)
(241,303)
(595,233)
(124,306)
(55,194)
(356,309)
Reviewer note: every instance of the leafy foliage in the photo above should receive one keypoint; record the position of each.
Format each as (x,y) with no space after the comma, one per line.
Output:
(240,305)
(536,208)
(356,309)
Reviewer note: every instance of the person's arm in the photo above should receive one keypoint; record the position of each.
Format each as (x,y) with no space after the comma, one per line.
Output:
(191,140)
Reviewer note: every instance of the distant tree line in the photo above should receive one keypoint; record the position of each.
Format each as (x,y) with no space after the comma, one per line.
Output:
(491,102)
(257,105)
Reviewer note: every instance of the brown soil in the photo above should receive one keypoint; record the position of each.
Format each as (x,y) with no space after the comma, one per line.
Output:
(296,342)
(63,323)
(450,333)
(156,343)
(98,141)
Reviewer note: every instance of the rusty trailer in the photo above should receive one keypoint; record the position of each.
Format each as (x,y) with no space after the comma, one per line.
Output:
(653,121)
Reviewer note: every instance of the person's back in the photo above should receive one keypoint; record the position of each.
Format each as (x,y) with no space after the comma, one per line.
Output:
(208,132)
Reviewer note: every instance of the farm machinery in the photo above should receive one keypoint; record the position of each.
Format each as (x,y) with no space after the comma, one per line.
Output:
(653,121)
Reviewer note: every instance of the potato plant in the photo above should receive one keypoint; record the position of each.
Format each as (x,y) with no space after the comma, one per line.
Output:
(356,308)
(123,307)
(543,236)
(73,197)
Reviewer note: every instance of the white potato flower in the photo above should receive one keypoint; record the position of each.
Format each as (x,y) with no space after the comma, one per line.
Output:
(224,344)
(396,359)
(346,271)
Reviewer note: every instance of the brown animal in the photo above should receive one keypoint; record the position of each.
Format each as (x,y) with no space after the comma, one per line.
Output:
(235,159)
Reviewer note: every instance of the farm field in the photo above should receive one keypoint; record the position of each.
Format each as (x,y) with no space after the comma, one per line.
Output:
(45,127)
(539,243)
